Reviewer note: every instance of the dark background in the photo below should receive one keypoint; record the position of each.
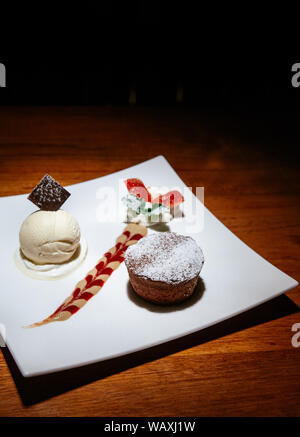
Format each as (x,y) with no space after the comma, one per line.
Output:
(148,54)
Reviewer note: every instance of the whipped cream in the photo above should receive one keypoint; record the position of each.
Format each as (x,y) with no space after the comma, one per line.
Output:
(139,211)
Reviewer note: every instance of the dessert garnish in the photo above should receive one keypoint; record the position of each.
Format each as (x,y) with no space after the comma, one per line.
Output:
(146,206)
(51,244)
(48,194)
(96,278)
(136,186)
(171,199)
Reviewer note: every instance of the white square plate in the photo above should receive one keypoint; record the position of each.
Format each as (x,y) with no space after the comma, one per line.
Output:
(114,322)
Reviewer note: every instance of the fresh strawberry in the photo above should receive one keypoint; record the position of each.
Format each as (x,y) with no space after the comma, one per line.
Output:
(170,199)
(135,186)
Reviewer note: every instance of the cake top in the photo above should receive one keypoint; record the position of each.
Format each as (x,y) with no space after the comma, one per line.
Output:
(165,256)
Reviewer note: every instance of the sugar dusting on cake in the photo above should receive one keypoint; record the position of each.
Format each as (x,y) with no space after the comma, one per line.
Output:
(167,257)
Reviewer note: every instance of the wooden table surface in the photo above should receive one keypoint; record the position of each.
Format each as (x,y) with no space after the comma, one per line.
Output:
(244,366)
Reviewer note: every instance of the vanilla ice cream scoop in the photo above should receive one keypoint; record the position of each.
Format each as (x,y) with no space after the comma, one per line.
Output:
(49,237)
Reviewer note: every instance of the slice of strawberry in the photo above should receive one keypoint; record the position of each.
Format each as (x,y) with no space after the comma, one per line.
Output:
(170,199)
(135,186)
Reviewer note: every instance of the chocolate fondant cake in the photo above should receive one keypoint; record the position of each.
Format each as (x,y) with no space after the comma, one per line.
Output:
(164,267)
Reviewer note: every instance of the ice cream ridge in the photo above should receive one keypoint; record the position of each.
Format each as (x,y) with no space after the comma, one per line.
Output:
(51,244)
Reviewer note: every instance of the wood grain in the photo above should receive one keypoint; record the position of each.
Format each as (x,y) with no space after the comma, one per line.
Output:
(244,366)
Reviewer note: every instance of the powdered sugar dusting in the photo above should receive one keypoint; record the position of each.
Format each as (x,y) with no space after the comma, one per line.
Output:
(165,256)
